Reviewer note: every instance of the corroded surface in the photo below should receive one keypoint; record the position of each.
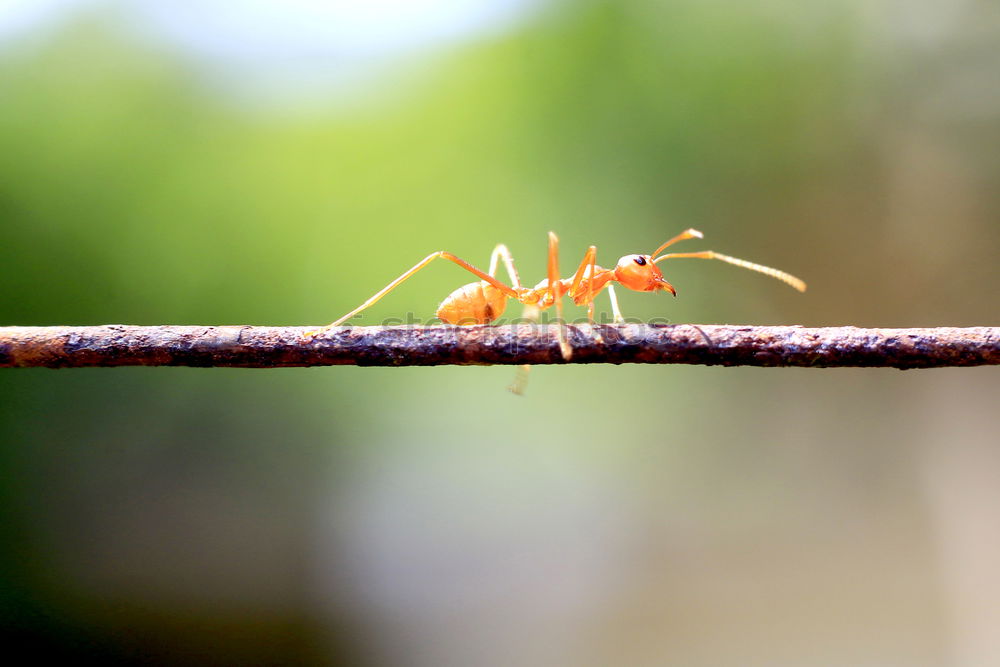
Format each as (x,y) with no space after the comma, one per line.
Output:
(274,347)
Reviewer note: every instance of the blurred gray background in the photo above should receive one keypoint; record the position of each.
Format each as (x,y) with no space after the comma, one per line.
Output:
(278,162)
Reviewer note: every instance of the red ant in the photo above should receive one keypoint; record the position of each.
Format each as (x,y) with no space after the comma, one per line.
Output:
(484,301)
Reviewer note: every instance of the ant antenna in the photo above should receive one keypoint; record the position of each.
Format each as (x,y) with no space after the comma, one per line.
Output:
(683,236)
(786,278)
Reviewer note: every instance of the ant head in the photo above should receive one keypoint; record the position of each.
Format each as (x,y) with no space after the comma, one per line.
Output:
(639,273)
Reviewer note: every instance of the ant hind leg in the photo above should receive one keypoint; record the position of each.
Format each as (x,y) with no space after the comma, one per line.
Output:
(529,316)
(510,292)
(554,287)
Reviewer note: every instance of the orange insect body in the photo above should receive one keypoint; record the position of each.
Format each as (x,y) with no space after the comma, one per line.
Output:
(484,301)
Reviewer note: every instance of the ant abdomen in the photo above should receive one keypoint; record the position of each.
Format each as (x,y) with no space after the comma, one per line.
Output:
(475,303)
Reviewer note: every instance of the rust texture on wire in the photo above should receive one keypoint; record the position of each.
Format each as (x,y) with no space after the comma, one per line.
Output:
(275,347)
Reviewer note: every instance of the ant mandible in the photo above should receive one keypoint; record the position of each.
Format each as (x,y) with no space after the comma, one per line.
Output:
(484,301)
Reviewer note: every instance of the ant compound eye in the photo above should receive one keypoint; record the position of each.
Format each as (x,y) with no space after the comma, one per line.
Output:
(641,261)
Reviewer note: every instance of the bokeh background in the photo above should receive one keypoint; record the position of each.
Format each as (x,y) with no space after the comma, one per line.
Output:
(277,162)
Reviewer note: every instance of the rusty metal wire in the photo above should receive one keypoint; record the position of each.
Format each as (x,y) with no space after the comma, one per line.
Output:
(275,347)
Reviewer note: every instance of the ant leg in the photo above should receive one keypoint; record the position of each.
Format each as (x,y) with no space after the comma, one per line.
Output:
(590,295)
(786,278)
(408,274)
(589,262)
(530,314)
(554,287)
(520,380)
(501,252)
(589,259)
(615,311)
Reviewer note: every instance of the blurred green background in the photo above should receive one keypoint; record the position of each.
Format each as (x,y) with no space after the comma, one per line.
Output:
(195,163)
